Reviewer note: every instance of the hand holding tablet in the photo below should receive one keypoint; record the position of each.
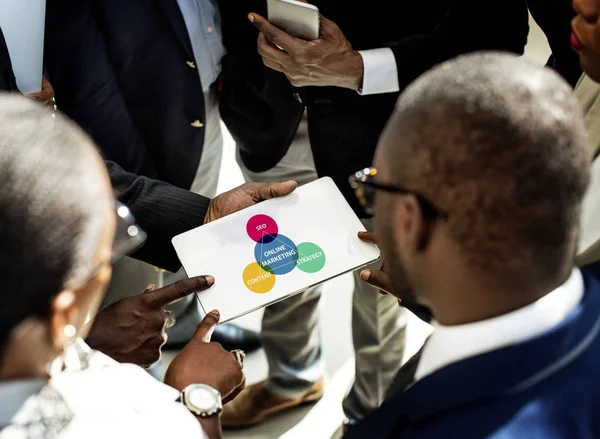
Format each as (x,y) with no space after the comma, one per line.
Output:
(275,249)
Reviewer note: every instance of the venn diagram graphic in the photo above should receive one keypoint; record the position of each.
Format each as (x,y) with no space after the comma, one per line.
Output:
(276,255)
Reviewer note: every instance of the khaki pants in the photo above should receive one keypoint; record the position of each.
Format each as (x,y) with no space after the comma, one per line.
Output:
(290,329)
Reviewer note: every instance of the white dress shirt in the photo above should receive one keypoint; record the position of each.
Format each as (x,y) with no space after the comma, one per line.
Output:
(451,344)
(203,23)
(380,71)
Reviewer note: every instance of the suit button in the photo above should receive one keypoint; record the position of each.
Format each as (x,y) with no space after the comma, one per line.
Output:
(197,124)
(191,64)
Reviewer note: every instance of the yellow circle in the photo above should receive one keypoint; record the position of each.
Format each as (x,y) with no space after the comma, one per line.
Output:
(258,280)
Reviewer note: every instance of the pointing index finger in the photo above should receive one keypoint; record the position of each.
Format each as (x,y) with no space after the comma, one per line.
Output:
(275,35)
(178,290)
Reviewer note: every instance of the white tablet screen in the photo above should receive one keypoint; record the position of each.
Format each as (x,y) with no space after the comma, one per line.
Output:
(275,249)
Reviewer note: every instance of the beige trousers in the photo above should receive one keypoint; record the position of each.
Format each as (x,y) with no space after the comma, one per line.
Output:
(291,330)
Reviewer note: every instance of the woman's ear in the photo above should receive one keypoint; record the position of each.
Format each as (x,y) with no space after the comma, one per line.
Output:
(87,300)
(63,313)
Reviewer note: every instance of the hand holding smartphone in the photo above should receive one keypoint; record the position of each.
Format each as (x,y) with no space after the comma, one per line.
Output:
(300,20)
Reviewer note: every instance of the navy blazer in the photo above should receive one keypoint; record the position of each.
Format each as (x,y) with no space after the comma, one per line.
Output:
(544,388)
(124,70)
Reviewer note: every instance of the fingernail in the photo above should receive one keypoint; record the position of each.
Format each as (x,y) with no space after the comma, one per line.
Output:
(365,275)
(209,280)
(150,287)
(215,312)
(251,18)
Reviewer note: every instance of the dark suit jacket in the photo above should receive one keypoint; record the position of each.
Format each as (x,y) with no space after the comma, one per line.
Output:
(547,387)
(7,78)
(262,110)
(119,69)
(554,18)
(162,210)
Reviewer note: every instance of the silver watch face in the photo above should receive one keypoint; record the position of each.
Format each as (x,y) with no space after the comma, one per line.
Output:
(202,398)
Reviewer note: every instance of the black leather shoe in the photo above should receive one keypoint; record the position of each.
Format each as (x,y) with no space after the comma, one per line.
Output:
(232,337)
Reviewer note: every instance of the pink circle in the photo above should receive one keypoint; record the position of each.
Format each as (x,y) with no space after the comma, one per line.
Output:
(262,226)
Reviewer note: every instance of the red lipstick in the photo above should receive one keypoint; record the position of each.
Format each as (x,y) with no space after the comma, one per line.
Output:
(575,43)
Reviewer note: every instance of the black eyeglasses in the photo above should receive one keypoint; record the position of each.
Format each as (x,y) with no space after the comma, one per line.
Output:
(128,238)
(365,187)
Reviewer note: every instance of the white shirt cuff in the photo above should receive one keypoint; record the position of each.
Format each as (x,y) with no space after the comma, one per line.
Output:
(380,71)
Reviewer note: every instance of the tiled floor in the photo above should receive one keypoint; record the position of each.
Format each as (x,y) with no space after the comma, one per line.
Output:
(320,421)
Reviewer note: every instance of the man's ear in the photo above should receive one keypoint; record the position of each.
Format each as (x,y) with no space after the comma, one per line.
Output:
(416,228)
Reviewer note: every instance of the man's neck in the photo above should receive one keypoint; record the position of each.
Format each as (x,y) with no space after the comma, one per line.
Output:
(459,303)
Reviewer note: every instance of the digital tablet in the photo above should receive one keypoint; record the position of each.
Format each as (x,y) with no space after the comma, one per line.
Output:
(275,249)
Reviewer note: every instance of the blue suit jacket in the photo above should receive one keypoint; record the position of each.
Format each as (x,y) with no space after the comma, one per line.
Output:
(545,388)
(123,70)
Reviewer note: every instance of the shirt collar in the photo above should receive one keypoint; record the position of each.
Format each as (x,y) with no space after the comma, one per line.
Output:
(14,394)
(450,344)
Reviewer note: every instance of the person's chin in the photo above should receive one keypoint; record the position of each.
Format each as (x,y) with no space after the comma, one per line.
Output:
(591,65)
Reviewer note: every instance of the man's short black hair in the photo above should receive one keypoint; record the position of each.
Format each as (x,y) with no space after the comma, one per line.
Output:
(500,145)
(53,208)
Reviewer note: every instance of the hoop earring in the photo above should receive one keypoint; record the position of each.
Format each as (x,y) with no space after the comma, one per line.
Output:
(74,356)
(70,332)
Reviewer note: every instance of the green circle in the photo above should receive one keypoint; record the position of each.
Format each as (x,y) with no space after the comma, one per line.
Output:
(311,257)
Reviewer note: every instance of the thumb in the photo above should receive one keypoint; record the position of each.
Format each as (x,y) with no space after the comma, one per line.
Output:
(276,190)
(36,96)
(328,28)
(207,327)
(266,191)
(377,278)
(370,237)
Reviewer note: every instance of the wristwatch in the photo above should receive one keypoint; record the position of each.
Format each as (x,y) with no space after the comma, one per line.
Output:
(202,400)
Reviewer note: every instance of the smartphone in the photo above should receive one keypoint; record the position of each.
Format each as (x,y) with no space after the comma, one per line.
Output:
(300,20)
